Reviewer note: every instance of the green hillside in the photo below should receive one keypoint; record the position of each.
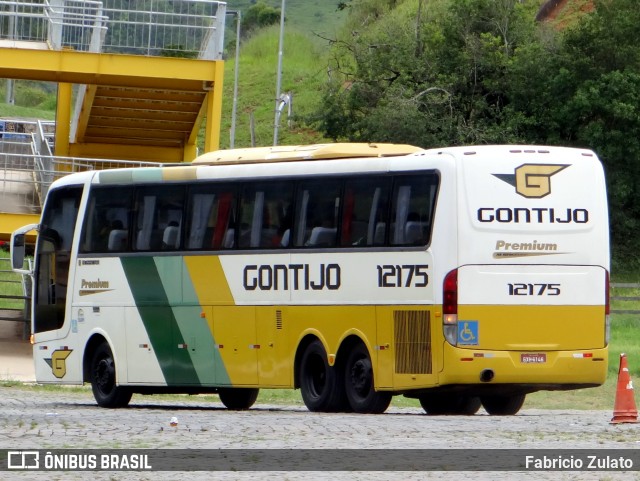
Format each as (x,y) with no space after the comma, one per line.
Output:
(311,16)
(304,72)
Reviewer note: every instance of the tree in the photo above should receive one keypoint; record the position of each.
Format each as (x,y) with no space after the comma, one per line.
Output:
(442,64)
(259,16)
(453,72)
(602,110)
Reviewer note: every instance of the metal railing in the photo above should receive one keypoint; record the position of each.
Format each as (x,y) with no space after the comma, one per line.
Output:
(616,288)
(185,28)
(25,178)
(15,296)
(27,166)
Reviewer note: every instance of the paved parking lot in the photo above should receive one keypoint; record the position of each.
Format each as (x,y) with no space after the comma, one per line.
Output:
(40,419)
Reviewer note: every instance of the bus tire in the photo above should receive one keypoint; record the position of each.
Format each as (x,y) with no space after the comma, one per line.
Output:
(103,380)
(503,405)
(450,404)
(238,398)
(321,385)
(362,396)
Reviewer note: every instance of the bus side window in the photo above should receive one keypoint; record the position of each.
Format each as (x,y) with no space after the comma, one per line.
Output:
(106,223)
(318,210)
(200,208)
(365,211)
(210,218)
(412,209)
(118,237)
(265,214)
(158,218)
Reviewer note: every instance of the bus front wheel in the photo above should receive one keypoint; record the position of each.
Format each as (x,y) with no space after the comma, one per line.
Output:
(238,399)
(361,394)
(503,405)
(321,385)
(103,380)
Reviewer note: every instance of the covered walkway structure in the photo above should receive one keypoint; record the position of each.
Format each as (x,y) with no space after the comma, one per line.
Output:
(136,86)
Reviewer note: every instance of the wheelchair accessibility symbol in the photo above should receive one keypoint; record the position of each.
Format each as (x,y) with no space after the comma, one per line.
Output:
(468,333)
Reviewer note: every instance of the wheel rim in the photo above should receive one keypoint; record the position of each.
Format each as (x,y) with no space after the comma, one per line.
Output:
(104,375)
(361,376)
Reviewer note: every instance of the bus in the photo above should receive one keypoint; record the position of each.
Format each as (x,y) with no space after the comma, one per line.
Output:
(464,277)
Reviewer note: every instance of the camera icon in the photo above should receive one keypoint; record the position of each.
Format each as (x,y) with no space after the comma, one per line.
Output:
(23,460)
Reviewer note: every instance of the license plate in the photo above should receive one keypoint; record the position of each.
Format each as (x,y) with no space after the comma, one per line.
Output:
(533,358)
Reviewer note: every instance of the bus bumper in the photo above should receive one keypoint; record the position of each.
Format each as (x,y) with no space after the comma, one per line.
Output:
(554,369)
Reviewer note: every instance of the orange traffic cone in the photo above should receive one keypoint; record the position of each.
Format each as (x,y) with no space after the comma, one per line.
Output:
(625,410)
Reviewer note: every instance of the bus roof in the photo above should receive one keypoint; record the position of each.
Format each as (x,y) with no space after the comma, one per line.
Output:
(287,153)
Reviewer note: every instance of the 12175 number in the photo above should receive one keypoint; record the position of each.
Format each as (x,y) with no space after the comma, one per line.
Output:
(521,289)
(407,275)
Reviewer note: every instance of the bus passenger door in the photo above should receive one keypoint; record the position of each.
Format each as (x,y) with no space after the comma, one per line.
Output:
(234,330)
(53,256)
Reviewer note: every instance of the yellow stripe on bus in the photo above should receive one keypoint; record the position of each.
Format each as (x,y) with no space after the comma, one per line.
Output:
(209,280)
(179,173)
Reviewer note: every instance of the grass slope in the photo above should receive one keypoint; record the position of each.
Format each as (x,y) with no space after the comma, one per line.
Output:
(16,111)
(311,16)
(303,73)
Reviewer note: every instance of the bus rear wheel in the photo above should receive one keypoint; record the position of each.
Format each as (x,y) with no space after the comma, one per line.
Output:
(238,398)
(321,385)
(103,380)
(359,386)
(503,405)
(450,404)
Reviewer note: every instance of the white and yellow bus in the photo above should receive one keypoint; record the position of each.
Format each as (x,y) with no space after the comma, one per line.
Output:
(459,276)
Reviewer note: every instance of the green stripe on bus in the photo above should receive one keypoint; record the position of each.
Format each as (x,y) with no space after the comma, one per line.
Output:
(193,327)
(115,176)
(147,175)
(159,320)
(130,176)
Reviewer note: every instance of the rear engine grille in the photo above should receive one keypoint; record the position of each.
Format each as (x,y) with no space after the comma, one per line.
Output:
(412,334)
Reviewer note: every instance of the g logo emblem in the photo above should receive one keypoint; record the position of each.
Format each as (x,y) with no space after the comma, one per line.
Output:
(57,362)
(532,180)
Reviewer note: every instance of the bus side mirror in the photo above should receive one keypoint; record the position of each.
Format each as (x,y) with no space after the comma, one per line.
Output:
(17,251)
(18,248)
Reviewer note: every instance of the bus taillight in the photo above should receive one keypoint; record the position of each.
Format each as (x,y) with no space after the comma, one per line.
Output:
(450,307)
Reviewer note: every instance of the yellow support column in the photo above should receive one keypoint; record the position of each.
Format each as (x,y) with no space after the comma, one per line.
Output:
(63,120)
(214,110)
(190,152)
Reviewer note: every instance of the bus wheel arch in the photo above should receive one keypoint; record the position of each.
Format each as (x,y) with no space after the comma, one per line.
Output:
(100,370)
